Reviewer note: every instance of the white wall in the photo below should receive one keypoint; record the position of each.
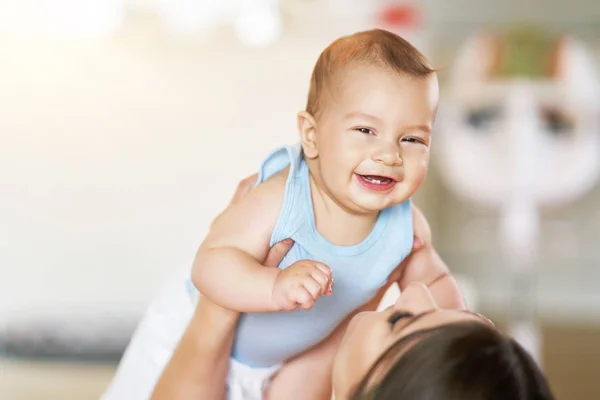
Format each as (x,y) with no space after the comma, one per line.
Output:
(115,155)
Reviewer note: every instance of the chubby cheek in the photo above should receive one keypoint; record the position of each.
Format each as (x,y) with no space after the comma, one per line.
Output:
(419,174)
(416,165)
(338,165)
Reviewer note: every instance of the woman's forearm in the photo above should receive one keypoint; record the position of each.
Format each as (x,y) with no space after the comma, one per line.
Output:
(198,368)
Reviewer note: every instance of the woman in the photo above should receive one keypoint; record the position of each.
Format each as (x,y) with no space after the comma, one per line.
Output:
(428,353)
(413,350)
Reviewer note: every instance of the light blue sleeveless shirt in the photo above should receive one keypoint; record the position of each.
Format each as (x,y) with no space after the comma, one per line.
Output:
(359,271)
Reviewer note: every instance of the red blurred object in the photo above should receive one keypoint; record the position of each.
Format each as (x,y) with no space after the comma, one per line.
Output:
(401,15)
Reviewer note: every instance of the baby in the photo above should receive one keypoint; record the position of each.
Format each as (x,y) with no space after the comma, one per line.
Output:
(343,196)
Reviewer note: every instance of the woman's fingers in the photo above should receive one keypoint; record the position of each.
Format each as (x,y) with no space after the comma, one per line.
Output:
(277,252)
(243,188)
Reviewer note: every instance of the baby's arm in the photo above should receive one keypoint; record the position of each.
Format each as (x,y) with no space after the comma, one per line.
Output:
(227,268)
(228,271)
(425,265)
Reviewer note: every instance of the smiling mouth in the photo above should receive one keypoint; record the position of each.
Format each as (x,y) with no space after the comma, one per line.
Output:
(376,182)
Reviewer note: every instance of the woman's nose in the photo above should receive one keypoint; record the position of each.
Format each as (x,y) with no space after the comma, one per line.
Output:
(416,299)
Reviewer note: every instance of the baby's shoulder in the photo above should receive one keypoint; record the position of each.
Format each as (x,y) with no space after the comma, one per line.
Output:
(259,209)
(273,186)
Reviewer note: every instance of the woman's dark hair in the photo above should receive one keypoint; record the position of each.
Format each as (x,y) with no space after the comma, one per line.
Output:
(459,361)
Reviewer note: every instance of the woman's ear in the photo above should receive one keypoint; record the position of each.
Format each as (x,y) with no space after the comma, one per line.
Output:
(307,127)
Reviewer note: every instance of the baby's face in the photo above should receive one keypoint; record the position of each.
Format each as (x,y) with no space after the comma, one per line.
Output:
(374,135)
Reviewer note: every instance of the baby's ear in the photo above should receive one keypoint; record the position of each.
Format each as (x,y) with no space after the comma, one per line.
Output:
(307,127)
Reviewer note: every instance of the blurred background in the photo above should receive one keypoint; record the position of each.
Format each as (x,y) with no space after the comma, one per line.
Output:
(126,124)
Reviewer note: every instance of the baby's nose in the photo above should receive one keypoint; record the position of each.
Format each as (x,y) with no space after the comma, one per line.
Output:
(389,157)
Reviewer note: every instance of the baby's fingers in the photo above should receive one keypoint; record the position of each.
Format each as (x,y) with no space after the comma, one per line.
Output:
(322,279)
(313,287)
(324,269)
(288,304)
(302,297)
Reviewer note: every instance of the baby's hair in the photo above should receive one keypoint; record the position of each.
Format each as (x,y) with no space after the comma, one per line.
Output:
(376,47)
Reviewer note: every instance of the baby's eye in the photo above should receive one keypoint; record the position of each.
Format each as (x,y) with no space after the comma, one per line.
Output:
(366,131)
(412,140)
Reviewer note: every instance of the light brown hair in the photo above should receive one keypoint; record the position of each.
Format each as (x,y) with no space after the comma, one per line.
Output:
(376,47)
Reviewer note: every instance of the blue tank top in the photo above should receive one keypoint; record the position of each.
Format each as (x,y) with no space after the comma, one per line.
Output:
(359,271)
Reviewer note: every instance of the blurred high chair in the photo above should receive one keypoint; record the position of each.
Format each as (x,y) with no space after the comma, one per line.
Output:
(519,131)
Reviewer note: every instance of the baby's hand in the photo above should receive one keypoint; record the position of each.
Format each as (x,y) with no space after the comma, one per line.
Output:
(301,284)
